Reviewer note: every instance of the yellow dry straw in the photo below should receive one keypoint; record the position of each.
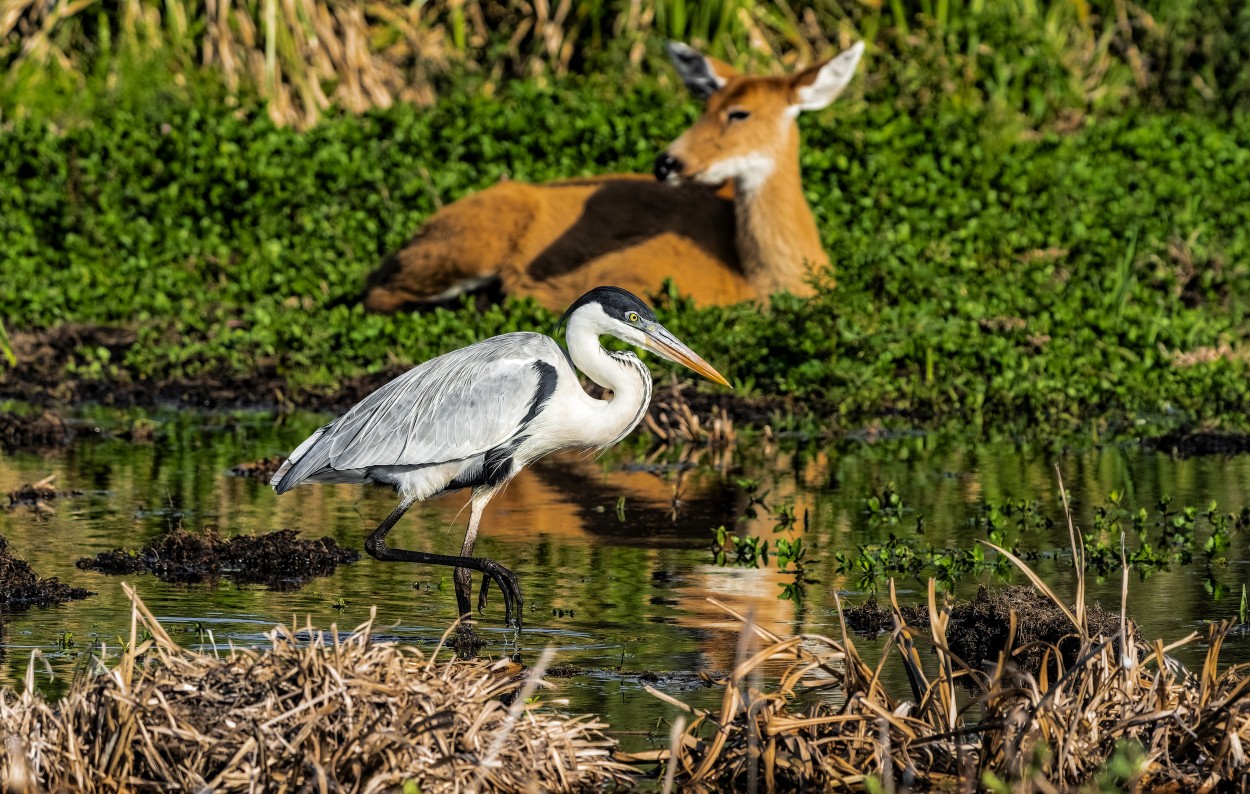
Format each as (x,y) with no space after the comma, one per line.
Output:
(317,711)
(306,56)
(1044,735)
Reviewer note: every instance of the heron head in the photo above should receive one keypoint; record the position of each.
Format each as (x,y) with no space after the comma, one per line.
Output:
(612,310)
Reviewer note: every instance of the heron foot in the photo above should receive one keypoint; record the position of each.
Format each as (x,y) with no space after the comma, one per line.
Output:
(508,585)
(482,595)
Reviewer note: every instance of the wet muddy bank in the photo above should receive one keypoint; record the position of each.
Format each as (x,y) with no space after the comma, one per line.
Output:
(678,411)
(49,376)
(280,559)
(980,629)
(21,587)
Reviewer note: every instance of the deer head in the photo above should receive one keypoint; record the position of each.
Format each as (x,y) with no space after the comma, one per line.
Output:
(748,125)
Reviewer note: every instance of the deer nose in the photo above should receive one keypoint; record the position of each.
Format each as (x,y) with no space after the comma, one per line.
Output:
(666,165)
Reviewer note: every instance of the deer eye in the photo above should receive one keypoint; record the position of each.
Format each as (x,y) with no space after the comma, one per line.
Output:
(738,114)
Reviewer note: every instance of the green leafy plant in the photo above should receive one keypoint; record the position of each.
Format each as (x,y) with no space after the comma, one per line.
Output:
(984,276)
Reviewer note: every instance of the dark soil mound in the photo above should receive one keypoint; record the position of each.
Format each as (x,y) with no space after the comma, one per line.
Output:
(280,559)
(871,619)
(262,469)
(19,431)
(1191,444)
(21,588)
(978,629)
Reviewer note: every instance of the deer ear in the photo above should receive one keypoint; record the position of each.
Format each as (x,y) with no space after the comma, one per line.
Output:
(704,76)
(816,87)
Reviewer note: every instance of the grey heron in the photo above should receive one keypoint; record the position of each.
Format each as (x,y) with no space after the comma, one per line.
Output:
(474,417)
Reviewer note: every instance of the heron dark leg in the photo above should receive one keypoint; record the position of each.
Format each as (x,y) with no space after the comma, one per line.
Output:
(507,581)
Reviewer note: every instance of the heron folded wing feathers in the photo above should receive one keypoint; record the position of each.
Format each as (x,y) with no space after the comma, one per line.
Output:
(461,404)
(297,457)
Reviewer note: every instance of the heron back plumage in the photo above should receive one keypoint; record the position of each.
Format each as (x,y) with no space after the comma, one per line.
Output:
(449,410)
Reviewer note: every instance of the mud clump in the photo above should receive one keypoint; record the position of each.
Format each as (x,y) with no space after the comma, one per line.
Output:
(39,493)
(870,618)
(20,587)
(281,559)
(262,469)
(19,431)
(978,629)
(1193,444)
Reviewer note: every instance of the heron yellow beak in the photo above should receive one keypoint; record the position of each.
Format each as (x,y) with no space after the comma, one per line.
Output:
(659,340)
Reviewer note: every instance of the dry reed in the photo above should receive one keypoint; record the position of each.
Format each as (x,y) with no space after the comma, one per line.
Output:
(305,56)
(674,421)
(1043,732)
(302,56)
(313,712)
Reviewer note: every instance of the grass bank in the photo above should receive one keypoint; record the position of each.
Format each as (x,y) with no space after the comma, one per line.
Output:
(986,271)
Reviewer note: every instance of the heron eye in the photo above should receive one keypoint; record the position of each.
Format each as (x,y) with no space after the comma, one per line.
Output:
(632,317)
(738,114)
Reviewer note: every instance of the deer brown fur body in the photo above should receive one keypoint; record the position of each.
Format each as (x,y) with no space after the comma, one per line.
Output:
(724,217)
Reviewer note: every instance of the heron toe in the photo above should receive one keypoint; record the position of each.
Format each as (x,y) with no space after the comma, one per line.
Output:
(508,585)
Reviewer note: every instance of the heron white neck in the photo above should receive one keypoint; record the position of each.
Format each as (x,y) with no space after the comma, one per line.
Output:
(628,379)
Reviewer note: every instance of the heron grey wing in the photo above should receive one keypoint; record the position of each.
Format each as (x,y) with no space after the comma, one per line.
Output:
(450,408)
(295,457)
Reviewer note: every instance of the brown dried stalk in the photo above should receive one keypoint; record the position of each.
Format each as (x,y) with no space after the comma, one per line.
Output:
(674,421)
(315,711)
(1040,734)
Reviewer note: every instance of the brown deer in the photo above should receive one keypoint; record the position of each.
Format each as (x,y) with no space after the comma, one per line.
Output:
(555,241)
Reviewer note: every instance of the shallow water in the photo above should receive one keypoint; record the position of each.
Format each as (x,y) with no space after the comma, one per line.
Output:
(605,587)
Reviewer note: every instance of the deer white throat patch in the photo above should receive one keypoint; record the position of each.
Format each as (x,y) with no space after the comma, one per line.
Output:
(748,171)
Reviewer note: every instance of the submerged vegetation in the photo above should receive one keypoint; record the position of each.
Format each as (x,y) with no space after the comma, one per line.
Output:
(1148,540)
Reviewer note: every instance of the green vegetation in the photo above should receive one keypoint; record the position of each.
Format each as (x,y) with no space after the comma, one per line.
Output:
(983,274)
(1148,541)
(751,551)
(6,347)
(1011,250)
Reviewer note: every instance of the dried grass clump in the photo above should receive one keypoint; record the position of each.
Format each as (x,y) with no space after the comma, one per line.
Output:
(674,421)
(318,712)
(978,629)
(1043,733)
(303,56)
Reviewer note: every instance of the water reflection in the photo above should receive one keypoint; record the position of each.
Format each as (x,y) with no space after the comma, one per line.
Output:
(613,553)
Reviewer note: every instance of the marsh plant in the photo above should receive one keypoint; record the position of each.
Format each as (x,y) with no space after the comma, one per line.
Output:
(1150,540)
(1122,714)
(788,551)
